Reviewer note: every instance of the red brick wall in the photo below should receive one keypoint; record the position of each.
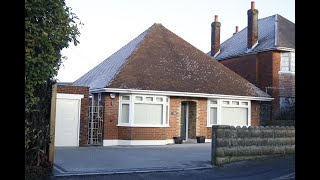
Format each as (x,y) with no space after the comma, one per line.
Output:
(83,139)
(202,117)
(255,113)
(275,82)
(112,131)
(174,117)
(287,85)
(264,70)
(143,133)
(192,119)
(175,110)
(110,116)
(245,66)
(209,133)
(256,68)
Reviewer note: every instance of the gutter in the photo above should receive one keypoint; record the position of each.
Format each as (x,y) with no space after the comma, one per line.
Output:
(175,93)
(255,52)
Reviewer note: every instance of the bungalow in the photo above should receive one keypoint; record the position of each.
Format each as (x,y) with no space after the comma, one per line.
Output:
(159,86)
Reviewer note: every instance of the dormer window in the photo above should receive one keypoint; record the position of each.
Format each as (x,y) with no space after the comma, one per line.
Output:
(287,62)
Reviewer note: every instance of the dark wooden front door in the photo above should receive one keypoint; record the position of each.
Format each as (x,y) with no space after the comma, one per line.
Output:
(183,120)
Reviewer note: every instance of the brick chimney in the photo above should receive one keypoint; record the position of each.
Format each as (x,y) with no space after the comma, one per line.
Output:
(236,30)
(215,36)
(252,26)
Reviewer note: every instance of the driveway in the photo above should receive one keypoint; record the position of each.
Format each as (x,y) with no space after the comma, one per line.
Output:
(127,159)
(271,168)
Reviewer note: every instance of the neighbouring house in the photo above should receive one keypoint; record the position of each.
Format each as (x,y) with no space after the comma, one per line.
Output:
(159,86)
(263,53)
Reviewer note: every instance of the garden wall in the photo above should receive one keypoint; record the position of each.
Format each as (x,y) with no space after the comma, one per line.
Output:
(231,143)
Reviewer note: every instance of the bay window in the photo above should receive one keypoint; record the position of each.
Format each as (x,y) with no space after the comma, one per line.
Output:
(143,110)
(228,112)
(287,62)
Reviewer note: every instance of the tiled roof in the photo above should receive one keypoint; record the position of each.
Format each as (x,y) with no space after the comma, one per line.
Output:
(160,60)
(273,32)
(102,74)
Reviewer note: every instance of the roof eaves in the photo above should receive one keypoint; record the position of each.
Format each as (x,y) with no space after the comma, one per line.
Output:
(175,93)
(255,52)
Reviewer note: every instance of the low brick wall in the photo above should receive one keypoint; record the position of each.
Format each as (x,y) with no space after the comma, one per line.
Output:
(231,143)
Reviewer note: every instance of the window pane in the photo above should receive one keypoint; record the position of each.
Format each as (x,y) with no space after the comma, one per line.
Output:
(148,114)
(167,99)
(225,102)
(285,68)
(244,103)
(125,113)
(149,98)
(235,102)
(125,97)
(283,55)
(138,98)
(285,62)
(159,99)
(234,116)
(213,101)
(213,115)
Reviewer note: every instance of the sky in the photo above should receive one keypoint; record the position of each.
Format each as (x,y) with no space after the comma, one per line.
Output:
(111,24)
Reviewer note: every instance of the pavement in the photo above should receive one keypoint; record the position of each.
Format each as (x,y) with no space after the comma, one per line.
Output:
(129,159)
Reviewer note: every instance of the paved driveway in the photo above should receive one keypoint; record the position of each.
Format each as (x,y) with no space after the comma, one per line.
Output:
(125,159)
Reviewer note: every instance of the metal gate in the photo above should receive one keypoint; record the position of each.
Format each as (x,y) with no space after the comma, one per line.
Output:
(95,126)
(265,113)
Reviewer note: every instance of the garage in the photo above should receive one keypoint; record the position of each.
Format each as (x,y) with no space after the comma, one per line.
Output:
(67,120)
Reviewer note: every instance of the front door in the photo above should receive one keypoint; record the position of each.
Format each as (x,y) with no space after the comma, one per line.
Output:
(184,120)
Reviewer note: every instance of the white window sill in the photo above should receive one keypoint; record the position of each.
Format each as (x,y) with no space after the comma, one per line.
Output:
(228,125)
(286,72)
(212,125)
(129,125)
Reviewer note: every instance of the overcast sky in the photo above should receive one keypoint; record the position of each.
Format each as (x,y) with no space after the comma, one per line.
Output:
(111,24)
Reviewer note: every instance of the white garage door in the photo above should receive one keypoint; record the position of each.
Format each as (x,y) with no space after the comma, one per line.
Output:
(67,119)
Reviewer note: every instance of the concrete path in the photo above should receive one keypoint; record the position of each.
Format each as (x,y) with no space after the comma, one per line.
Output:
(127,159)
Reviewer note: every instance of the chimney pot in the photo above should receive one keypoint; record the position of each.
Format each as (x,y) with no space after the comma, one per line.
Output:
(252,5)
(216,18)
(236,29)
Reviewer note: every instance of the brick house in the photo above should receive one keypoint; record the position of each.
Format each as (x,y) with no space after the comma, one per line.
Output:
(263,53)
(159,86)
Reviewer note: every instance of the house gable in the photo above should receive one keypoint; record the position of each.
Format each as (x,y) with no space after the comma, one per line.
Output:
(275,32)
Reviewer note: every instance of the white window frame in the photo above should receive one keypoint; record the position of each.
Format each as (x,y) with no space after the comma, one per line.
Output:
(120,109)
(132,103)
(219,107)
(290,62)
